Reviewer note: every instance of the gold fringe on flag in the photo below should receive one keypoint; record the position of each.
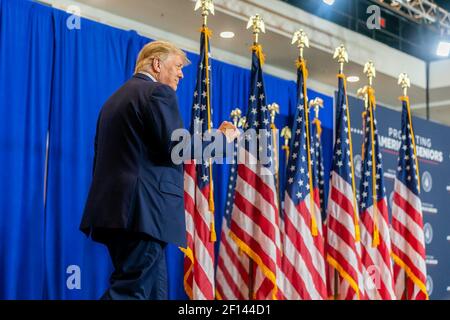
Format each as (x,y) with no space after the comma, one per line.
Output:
(257,259)
(259,52)
(318,124)
(301,63)
(188,253)
(206,31)
(409,273)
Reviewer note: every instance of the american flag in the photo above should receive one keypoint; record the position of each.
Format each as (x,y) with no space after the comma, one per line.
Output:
(255,220)
(232,276)
(343,247)
(408,246)
(303,260)
(374,216)
(199,203)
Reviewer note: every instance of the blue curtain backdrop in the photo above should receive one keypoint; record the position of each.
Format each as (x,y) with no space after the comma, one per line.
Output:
(55,79)
(26,62)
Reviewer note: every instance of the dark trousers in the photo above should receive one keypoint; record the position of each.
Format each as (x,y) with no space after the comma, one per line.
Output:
(139,267)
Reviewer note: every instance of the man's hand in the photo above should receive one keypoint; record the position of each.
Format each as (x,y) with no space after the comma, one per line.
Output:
(229,130)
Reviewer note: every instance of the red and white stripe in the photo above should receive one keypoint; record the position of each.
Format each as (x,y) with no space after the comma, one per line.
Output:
(343,251)
(232,276)
(408,244)
(199,258)
(255,222)
(304,258)
(377,264)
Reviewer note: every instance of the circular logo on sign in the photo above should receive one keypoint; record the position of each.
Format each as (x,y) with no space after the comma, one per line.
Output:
(358,165)
(428,233)
(429,285)
(427,181)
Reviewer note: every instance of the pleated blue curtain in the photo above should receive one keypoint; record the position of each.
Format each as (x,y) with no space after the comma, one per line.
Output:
(55,79)
(26,62)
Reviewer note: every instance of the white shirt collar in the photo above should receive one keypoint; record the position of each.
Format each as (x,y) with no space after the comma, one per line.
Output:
(148,75)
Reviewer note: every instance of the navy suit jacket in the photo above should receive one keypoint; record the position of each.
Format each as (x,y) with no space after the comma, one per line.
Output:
(135,185)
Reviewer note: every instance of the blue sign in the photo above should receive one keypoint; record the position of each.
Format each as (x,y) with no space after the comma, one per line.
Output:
(433,150)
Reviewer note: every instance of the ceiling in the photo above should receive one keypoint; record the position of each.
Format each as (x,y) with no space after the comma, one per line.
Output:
(399,31)
(178,17)
(443,3)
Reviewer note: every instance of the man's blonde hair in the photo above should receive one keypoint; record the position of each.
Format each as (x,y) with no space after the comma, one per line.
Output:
(157,49)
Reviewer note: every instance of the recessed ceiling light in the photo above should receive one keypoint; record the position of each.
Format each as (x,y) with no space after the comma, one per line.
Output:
(227,34)
(353,79)
(443,49)
(329,2)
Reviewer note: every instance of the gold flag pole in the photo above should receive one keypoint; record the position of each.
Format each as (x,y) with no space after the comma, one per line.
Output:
(302,41)
(362,93)
(257,24)
(341,55)
(207,6)
(236,116)
(404,82)
(242,122)
(274,108)
(317,104)
(238,121)
(369,70)
(286,133)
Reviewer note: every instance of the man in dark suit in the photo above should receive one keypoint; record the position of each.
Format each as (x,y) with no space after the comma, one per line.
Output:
(135,203)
